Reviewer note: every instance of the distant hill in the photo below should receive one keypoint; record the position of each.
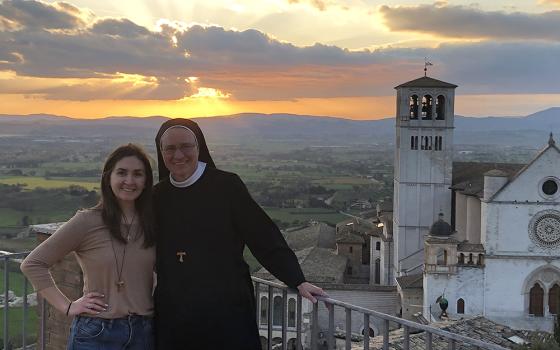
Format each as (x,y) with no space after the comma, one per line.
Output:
(247,128)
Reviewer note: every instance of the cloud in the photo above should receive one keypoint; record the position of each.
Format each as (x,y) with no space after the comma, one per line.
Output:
(552,2)
(121,27)
(39,15)
(318,4)
(140,89)
(468,22)
(119,59)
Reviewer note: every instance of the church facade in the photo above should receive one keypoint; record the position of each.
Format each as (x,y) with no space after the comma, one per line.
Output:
(506,266)
(485,236)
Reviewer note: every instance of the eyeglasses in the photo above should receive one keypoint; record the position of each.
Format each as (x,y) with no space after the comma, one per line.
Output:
(183,147)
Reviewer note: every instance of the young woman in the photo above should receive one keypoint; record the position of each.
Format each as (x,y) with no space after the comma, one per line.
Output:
(114,245)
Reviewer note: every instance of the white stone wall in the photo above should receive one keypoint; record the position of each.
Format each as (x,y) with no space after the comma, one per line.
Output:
(382,301)
(506,297)
(412,300)
(387,268)
(473,220)
(467,284)
(460,216)
(374,254)
(511,257)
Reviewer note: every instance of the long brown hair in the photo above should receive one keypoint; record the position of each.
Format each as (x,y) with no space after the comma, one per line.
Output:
(110,209)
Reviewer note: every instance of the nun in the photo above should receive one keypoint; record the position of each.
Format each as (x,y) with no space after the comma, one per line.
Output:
(205,217)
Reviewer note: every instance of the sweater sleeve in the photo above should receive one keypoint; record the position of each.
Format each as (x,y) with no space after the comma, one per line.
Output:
(263,237)
(65,240)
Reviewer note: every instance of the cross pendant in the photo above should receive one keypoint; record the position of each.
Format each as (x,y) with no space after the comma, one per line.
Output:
(120,284)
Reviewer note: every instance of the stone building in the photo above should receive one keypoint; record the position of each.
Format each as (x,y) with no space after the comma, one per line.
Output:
(336,259)
(503,258)
(423,166)
(484,235)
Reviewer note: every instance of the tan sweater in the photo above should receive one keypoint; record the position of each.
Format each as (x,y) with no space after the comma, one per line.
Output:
(90,240)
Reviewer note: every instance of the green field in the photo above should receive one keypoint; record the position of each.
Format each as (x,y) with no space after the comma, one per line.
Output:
(304,215)
(16,280)
(32,182)
(10,217)
(15,314)
(18,244)
(15,325)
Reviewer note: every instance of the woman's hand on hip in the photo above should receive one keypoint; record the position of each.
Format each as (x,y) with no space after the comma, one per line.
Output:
(91,303)
(308,291)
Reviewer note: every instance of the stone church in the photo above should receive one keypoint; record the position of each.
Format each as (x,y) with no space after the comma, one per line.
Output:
(486,236)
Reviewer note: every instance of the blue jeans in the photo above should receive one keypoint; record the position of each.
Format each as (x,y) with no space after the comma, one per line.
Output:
(128,333)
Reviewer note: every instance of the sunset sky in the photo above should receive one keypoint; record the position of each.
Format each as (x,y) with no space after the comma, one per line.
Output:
(95,58)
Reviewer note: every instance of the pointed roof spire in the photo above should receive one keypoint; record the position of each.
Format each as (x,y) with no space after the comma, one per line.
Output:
(551,141)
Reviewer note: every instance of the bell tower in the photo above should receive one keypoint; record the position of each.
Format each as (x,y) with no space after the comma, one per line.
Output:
(423,164)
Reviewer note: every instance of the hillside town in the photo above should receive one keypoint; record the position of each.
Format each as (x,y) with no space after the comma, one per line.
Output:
(469,246)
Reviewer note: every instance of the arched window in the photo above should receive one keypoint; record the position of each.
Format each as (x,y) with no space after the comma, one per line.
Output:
(460,306)
(461,258)
(440,107)
(441,257)
(470,259)
(553,295)
(536,296)
(438,143)
(414,107)
(365,253)
(480,260)
(377,271)
(292,312)
(264,310)
(277,313)
(427,107)
(377,245)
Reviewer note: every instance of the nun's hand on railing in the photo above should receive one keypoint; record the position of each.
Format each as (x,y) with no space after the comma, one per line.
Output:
(309,291)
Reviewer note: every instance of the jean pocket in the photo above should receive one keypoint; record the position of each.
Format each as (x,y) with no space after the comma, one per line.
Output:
(89,328)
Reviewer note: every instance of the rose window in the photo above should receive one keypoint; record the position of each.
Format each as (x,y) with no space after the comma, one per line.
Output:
(544,229)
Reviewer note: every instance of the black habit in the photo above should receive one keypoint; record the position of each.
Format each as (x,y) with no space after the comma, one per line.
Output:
(204,297)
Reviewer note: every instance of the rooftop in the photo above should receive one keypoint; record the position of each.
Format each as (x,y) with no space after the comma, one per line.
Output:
(426,82)
(319,265)
(468,177)
(315,235)
(478,328)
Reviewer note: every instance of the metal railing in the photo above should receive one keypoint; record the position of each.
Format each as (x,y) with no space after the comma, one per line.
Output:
(7,263)
(452,339)
(269,287)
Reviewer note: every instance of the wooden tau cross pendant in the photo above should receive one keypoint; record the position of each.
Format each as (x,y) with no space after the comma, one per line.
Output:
(120,284)
(181,255)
